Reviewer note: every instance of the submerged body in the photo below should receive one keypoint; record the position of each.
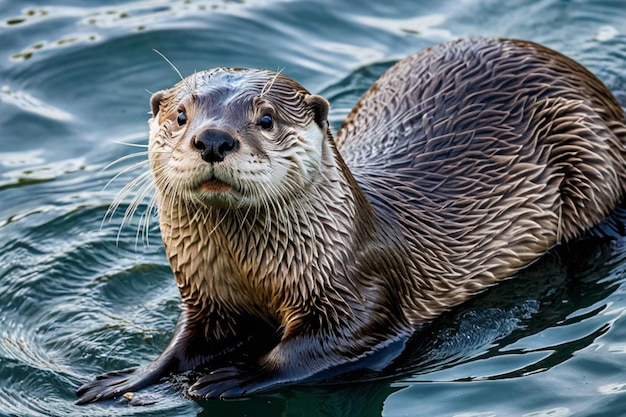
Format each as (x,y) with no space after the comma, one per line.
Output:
(300,257)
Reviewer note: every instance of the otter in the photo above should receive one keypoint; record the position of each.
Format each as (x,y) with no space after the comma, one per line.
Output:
(300,257)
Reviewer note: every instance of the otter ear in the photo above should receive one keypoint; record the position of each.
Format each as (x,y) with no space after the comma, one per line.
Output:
(155,102)
(320,108)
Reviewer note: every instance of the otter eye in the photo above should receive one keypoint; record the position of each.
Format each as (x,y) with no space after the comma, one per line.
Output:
(266,122)
(182,118)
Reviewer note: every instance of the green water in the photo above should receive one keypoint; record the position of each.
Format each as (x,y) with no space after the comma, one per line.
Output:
(79,296)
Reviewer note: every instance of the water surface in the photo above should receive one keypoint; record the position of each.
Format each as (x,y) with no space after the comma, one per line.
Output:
(79,296)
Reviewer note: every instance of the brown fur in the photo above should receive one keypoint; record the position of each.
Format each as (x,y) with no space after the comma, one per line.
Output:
(461,165)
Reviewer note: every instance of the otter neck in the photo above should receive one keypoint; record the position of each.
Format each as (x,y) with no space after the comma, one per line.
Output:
(266,259)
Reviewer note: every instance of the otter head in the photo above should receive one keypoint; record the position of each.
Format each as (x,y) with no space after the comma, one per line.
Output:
(237,138)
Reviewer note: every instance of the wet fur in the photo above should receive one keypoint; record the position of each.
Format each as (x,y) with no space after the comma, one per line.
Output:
(461,165)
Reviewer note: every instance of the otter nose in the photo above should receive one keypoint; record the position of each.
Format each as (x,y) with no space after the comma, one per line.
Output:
(214,144)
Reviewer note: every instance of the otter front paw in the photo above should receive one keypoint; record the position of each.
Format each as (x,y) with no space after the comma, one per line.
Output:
(114,384)
(233,382)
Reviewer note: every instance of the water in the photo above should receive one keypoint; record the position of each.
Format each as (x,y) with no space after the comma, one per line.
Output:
(79,296)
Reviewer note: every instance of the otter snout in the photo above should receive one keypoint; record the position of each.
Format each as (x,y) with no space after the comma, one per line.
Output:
(215,144)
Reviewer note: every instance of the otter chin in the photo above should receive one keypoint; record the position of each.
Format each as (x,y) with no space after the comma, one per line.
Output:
(300,256)
(214,185)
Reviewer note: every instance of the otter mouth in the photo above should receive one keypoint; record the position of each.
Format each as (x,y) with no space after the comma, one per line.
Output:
(214,185)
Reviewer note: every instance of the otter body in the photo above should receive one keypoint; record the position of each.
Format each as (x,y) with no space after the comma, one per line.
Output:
(300,257)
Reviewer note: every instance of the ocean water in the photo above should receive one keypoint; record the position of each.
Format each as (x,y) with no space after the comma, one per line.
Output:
(81,294)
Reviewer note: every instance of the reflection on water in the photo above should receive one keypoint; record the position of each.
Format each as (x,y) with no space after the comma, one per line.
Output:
(79,296)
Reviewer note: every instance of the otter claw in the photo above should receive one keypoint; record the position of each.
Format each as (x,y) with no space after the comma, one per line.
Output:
(229,382)
(109,385)
(117,383)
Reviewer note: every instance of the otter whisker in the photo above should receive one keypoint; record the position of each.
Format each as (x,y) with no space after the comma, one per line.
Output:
(147,215)
(144,220)
(136,145)
(140,187)
(142,154)
(245,216)
(171,64)
(221,220)
(268,85)
(126,170)
(123,194)
(145,186)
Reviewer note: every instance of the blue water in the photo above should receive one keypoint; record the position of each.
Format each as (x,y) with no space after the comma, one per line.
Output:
(80,296)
